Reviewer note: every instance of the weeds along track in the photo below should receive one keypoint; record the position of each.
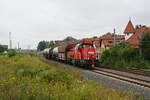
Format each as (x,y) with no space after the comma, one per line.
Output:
(127,78)
(112,74)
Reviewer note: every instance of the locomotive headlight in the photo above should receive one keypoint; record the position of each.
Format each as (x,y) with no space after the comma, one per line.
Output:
(93,56)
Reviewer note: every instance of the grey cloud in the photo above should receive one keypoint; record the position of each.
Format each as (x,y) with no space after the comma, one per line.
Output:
(33,20)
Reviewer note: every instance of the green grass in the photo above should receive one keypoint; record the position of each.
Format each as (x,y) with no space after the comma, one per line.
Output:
(25,77)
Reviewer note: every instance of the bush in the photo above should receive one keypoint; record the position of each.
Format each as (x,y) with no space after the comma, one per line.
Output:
(122,55)
(11,53)
(2,49)
(31,54)
(145,45)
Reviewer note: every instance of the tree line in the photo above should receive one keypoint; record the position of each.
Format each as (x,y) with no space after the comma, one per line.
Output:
(45,44)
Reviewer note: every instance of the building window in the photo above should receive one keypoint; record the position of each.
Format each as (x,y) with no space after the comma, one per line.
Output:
(110,42)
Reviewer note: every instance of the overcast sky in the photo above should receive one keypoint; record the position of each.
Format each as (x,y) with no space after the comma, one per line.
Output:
(31,21)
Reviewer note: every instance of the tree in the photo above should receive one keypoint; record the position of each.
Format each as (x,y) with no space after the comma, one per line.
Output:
(50,44)
(69,38)
(2,49)
(108,33)
(145,45)
(42,45)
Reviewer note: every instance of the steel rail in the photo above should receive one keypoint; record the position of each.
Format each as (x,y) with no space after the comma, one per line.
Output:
(147,81)
(123,78)
(133,71)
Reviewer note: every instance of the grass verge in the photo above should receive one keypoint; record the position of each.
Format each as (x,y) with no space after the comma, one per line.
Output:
(25,77)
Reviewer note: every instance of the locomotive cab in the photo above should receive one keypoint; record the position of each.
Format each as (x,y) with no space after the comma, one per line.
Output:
(86,54)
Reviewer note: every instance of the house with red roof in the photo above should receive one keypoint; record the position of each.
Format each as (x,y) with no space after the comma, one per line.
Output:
(108,41)
(132,35)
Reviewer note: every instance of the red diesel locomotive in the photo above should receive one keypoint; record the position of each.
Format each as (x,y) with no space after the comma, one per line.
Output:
(83,54)
(80,54)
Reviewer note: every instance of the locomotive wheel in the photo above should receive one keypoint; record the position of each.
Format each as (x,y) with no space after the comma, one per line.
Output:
(74,62)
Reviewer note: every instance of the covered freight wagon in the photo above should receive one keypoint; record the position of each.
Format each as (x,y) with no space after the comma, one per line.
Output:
(63,50)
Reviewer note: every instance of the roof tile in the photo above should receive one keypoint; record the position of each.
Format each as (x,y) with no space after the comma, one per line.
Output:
(129,28)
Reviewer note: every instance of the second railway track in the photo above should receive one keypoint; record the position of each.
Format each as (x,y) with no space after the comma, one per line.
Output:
(137,81)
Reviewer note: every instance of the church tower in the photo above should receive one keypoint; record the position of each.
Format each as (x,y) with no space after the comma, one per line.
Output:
(129,30)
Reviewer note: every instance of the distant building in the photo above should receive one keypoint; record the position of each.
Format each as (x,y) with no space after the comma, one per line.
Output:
(133,35)
(129,30)
(107,41)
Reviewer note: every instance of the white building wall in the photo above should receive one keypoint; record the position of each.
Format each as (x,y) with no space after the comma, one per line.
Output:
(127,36)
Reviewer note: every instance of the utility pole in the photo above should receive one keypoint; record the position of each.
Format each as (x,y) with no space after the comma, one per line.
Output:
(10,41)
(114,36)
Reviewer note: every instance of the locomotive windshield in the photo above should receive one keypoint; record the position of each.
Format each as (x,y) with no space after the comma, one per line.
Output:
(84,45)
(87,46)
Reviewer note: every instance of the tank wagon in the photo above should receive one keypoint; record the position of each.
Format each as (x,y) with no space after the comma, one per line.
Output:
(80,54)
(54,53)
(46,52)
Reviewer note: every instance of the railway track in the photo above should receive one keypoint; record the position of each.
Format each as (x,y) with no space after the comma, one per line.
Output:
(127,78)
(133,71)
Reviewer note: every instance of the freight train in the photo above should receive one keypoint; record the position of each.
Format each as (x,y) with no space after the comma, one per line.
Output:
(78,54)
